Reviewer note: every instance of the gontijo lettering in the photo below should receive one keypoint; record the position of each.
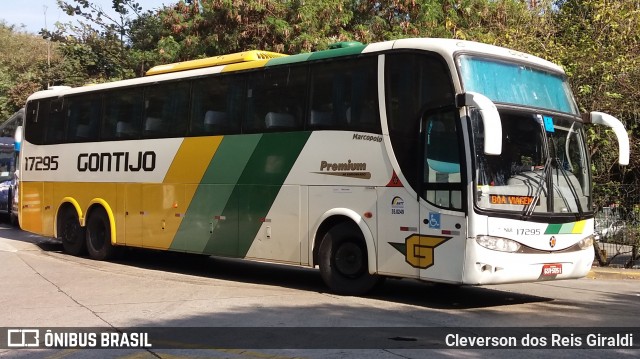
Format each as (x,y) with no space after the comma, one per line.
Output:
(117,161)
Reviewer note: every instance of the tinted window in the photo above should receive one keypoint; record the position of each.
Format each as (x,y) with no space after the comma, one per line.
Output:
(55,124)
(83,118)
(166,110)
(276,100)
(122,114)
(216,105)
(415,83)
(441,164)
(344,95)
(34,124)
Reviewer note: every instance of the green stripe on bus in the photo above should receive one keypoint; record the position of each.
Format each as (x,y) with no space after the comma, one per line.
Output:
(262,179)
(327,54)
(567,228)
(237,191)
(288,59)
(553,229)
(207,209)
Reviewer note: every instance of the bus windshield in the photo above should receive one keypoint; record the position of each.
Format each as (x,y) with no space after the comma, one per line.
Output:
(540,155)
(514,83)
(7,158)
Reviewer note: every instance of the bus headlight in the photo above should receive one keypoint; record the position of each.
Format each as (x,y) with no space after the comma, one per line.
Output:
(585,243)
(498,243)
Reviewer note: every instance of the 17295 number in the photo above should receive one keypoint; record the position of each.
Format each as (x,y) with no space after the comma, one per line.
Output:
(41,163)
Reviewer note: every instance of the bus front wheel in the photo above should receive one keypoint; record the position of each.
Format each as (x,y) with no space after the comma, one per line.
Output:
(343,261)
(99,235)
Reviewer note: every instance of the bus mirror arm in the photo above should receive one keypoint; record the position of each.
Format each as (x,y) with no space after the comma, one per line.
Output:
(600,118)
(490,120)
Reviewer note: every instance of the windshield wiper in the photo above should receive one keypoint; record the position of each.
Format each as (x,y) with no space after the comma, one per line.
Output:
(528,209)
(551,160)
(572,188)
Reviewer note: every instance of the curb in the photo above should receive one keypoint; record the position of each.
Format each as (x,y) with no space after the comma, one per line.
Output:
(613,273)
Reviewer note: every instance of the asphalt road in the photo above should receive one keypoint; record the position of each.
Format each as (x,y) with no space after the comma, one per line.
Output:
(41,287)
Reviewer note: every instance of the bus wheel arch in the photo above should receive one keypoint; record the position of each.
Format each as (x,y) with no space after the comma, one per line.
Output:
(345,253)
(100,231)
(69,228)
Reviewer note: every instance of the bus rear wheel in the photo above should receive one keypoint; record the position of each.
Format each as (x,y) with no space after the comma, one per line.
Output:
(344,266)
(98,235)
(71,234)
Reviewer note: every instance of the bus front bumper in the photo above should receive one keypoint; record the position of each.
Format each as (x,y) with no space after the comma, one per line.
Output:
(486,266)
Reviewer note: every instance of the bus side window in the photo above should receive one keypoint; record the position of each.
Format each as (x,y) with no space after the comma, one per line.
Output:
(35,120)
(123,115)
(216,105)
(56,125)
(275,99)
(166,110)
(344,95)
(415,83)
(442,177)
(83,118)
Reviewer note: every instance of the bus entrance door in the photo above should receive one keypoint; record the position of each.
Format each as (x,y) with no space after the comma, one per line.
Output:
(439,248)
(398,215)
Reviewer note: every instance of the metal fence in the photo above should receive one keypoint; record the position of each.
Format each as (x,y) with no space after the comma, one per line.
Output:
(618,235)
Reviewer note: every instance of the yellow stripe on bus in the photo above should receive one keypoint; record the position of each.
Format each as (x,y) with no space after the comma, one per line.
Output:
(245,65)
(578,227)
(192,159)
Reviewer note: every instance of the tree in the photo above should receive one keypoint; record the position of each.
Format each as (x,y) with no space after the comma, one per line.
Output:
(99,47)
(23,67)
(601,52)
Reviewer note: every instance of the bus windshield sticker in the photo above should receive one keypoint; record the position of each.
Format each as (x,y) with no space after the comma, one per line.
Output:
(548,124)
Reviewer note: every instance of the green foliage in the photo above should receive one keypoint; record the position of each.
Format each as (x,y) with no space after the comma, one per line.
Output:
(598,43)
(23,67)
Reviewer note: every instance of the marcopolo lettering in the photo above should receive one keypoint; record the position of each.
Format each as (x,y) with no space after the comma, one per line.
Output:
(357,136)
(117,161)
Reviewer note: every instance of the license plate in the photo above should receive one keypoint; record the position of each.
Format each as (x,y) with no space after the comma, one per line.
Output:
(551,269)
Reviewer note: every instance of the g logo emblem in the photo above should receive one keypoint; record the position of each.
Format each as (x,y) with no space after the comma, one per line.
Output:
(419,250)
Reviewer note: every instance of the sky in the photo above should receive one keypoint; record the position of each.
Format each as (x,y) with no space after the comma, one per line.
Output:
(31,13)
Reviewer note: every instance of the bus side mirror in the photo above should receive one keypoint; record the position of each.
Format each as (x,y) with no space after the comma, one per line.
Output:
(490,120)
(600,118)
(18,139)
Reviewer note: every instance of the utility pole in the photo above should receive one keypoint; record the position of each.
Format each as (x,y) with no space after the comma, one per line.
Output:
(48,47)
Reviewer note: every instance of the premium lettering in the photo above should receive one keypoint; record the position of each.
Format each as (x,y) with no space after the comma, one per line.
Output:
(343,166)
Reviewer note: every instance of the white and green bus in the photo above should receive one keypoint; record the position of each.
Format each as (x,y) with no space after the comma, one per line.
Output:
(433,159)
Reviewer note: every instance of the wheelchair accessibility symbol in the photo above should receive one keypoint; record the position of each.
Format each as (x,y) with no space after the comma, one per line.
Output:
(434,220)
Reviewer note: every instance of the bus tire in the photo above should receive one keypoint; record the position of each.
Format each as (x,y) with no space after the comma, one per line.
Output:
(71,234)
(343,261)
(98,235)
